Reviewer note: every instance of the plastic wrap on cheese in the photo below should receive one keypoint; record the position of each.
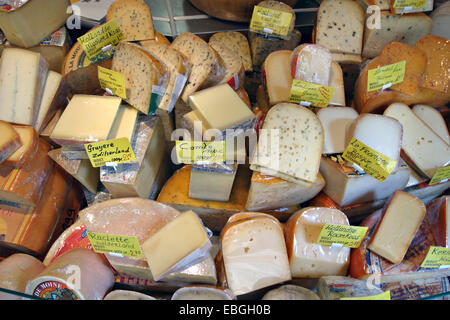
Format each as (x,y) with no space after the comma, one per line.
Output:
(311,63)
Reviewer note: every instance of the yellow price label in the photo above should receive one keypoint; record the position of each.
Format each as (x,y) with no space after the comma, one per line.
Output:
(441,175)
(269,21)
(310,94)
(347,236)
(371,161)
(406,4)
(110,151)
(201,152)
(126,246)
(112,82)
(387,76)
(382,296)
(437,257)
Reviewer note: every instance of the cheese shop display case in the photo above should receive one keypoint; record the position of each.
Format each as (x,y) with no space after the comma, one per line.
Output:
(224,150)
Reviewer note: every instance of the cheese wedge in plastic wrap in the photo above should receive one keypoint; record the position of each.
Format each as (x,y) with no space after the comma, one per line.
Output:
(254,253)
(9,140)
(212,182)
(127,295)
(311,63)
(202,293)
(238,43)
(434,119)
(16,271)
(290,144)
(26,152)
(277,76)
(78,274)
(234,72)
(290,292)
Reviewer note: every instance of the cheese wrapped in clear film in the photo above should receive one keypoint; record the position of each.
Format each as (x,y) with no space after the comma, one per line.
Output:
(311,63)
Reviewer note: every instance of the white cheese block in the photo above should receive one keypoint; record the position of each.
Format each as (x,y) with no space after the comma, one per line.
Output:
(335,121)
(22,79)
(433,119)
(290,144)
(254,254)
(78,274)
(127,295)
(308,259)
(290,292)
(202,293)
(337,82)
(311,63)
(420,141)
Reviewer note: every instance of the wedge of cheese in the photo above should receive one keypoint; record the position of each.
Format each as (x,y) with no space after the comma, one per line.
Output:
(419,140)
(125,123)
(134,19)
(9,140)
(26,152)
(311,63)
(434,119)
(211,182)
(238,43)
(202,293)
(277,76)
(307,258)
(234,72)
(335,121)
(283,7)
(337,82)
(290,292)
(22,79)
(401,219)
(290,144)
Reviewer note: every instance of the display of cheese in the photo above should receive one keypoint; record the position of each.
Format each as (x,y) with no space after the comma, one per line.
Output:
(290,292)
(134,19)
(254,254)
(234,72)
(23,24)
(441,20)
(127,295)
(26,152)
(238,43)
(268,192)
(277,76)
(395,28)
(79,274)
(291,146)
(22,79)
(16,271)
(200,58)
(21,188)
(307,258)
(311,63)
(427,6)
(340,26)
(212,182)
(335,121)
(138,179)
(434,119)
(439,211)
(9,140)
(420,141)
(202,293)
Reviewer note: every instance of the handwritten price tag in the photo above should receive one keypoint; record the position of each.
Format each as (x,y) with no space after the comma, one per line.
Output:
(387,76)
(198,152)
(310,94)
(413,4)
(126,246)
(437,257)
(347,236)
(269,21)
(382,296)
(110,151)
(441,175)
(112,82)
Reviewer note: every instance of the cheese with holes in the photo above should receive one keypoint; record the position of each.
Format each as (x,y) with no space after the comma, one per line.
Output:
(290,144)
(16,271)
(22,79)
(212,182)
(9,140)
(134,19)
(290,292)
(401,219)
(420,141)
(202,293)
(267,192)
(78,274)
(26,152)
(277,76)
(434,119)
(254,254)
(127,295)
(311,63)
(307,258)
(86,119)
(439,210)
(171,247)
(335,121)
(238,43)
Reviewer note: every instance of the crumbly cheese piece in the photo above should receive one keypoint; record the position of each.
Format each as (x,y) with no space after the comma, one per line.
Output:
(134,19)
(26,152)
(202,293)
(238,43)
(9,140)
(311,63)
(401,220)
(277,76)
(290,292)
(434,119)
(22,79)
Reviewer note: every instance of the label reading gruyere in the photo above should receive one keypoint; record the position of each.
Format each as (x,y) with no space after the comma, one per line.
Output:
(340,235)
(112,82)
(382,296)
(310,94)
(110,151)
(269,21)
(442,175)
(409,4)
(372,162)
(437,257)
(126,246)
(201,152)
(97,44)
(385,77)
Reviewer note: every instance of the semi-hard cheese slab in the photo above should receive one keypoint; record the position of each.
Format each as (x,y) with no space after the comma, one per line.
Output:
(9,140)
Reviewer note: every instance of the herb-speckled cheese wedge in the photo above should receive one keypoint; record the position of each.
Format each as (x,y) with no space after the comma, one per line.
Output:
(217,73)
(340,26)
(233,64)
(200,58)
(134,19)
(237,42)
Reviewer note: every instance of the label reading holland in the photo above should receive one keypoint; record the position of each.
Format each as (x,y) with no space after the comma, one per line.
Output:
(442,175)
(126,246)
(347,236)
(101,39)
(200,152)
(382,296)
(112,82)
(110,151)
(269,21)
(372,162)
(310,94)
(385,77)
(413,4)
(437,257)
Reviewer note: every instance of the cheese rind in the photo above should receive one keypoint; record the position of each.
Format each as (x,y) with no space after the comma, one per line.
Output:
(9,140)
(337,82)
(25,153)
(277,76)
(434,119)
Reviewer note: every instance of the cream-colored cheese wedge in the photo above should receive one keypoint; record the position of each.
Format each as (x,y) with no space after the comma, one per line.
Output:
(420,141)
(311,63)
(335,121)
(433,119)
(401,220)
(125,123)
(290,292)
(26,152)
(202,293)
(9,140)
(277,76)
(307,258)
(337,83)
(212,182)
